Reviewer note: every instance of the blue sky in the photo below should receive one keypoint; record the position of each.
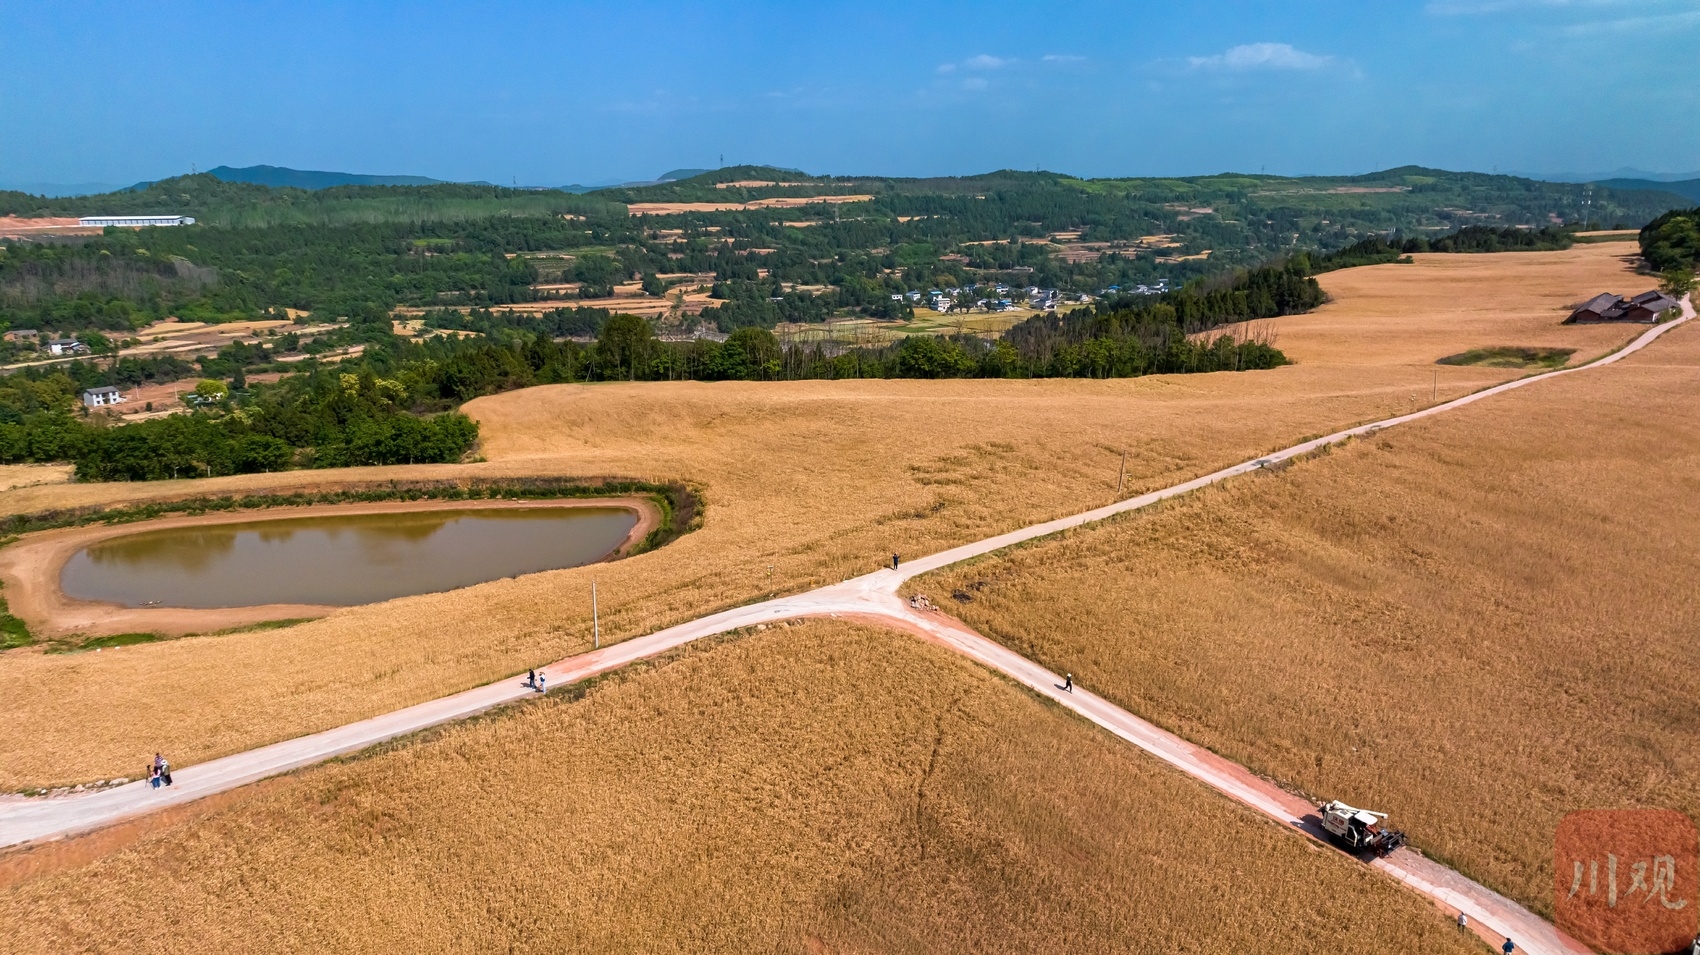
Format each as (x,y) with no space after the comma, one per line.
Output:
(551,93)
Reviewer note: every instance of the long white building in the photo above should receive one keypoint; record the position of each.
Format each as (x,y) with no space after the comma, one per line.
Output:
(135,221)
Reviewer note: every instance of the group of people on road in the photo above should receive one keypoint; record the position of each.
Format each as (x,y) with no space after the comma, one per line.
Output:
(537,680)
(159,772)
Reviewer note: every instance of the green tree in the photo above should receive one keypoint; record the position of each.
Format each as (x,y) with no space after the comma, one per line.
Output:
(211,389)
(624,348)
(1677,282)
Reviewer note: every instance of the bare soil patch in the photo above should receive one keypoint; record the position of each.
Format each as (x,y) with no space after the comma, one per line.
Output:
(780,202)
(14,227)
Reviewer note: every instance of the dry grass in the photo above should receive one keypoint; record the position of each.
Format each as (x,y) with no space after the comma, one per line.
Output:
(815,480)
(820,788)
(31,475)
(1478,623)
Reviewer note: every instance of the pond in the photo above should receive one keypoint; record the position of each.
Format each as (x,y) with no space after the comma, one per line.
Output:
(339,560)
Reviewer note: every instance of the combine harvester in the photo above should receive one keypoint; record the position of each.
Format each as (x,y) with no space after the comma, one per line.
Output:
(1359,829)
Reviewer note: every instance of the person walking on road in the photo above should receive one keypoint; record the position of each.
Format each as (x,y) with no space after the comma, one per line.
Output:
(1508,947)
(1068,683)
(542,682)
(531,679)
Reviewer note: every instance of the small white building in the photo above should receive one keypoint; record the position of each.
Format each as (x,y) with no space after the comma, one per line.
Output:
(66,346)
(102,396)
(135,222)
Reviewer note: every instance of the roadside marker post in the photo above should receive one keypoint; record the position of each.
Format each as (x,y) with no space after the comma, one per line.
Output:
(595,623)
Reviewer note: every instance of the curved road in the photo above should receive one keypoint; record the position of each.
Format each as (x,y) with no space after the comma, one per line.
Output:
(872,598)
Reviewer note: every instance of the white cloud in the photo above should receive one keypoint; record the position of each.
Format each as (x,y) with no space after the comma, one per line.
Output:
(983,61)
(1476,7)
(1616,16)
(1260,56)
(1647,24)
(1062,58)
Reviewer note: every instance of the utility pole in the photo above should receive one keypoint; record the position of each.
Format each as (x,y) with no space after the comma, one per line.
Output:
(595,623)
(1122,477)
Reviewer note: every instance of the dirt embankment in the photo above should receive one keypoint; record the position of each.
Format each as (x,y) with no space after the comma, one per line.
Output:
(13,227)
(31,567)
(780,202)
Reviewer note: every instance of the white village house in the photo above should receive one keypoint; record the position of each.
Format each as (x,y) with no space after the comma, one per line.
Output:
(102,396)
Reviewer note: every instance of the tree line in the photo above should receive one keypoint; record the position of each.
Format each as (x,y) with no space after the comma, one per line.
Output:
(325,418)
(395,404)
(1671,243)
(1380,249)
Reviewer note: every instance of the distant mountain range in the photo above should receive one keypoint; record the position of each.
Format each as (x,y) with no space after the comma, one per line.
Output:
(56,190)
(669,176)
(1686,185)
(314,179)
(280,177)
(1688,188)
(1621,173)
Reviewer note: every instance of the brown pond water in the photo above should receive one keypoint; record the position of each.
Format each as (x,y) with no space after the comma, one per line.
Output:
(339,560)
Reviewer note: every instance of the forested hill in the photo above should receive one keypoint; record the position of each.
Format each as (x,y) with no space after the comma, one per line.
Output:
(1408,197)
(991,242)
(226,204)
(281,176)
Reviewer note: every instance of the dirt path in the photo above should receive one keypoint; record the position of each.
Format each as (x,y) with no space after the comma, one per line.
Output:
(30,568)
(872,597)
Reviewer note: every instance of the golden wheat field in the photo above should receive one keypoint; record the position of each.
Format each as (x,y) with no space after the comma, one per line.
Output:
(803,483)
(822,787)
(1477,623)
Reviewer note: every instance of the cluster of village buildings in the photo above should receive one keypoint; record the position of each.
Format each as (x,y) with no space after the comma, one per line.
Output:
(1155,288)
(1606,307)
(988,298)
(54,346)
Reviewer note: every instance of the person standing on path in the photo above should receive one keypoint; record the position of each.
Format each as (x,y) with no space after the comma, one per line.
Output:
(1508,947)
(531,678)
(153,776)
(1068,682)
(894,559)
(165,770)
(542,682)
